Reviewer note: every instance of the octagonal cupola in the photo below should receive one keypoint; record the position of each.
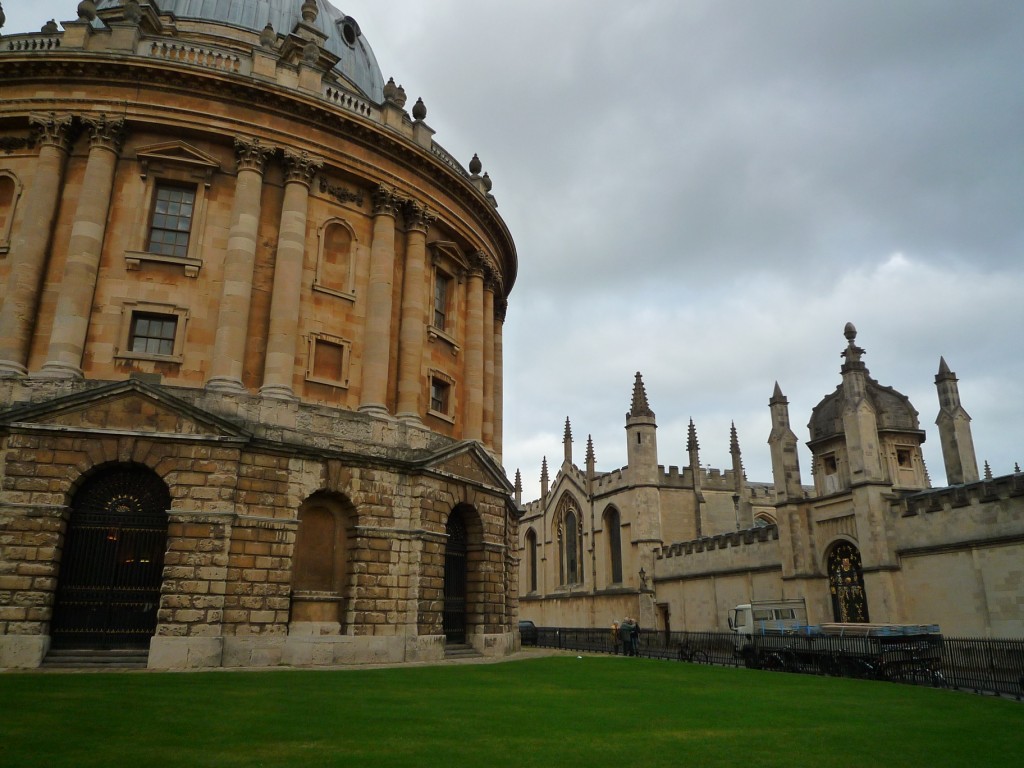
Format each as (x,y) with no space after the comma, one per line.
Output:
(864,432)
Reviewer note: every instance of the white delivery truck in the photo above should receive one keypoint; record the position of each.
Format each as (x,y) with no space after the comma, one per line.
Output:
(775,634)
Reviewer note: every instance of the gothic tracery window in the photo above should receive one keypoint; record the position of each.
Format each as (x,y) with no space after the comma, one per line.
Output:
(570,542)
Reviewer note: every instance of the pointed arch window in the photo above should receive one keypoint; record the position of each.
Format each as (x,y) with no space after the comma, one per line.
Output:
(613,535)
(531,560)
(570,539)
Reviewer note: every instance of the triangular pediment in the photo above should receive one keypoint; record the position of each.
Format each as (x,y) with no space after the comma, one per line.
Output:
(469,461)
(179,153)
(447,250)
(123,407)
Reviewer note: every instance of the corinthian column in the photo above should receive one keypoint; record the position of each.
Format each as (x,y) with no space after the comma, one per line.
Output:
(236,294)
(490,282)
(74,303)
(412,333)
(32,242)
(279,369)
(501,305)
(474,413)
(377,336)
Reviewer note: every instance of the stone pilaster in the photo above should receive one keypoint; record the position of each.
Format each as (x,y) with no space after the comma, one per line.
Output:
(74,303)
(490,286)
(474,388)
(32,243)
(279,369)
(412,333)
(377,336)
(233,317)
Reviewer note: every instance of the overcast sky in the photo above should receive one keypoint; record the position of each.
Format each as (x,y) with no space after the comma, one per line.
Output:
(706,191)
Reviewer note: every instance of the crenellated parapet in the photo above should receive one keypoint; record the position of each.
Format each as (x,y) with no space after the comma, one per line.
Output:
(954,498)
(748,537)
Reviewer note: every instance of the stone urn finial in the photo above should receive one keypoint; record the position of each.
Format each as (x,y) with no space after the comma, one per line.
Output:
(487,182)
(132,11)
(87,10)
(310,11)
(3,18)
(419,110)
(50,27)
(268,36)
(475,166)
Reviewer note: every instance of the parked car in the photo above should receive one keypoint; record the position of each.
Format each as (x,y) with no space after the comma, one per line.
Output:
(527,632)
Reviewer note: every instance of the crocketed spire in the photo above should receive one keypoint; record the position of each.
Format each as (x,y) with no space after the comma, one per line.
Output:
(639,406)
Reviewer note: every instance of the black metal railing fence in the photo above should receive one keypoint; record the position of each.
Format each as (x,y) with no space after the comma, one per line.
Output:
(972,664)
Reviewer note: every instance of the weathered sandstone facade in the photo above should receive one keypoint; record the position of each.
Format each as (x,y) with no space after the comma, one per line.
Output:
(250,349)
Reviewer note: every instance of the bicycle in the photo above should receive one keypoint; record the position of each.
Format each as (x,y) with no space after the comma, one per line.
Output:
(692,654)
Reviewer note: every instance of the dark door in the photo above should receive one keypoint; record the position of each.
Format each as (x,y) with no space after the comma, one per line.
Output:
(455,581)
(846,583)
(108,590)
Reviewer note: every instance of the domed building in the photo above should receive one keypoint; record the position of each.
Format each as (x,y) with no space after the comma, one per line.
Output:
(250,349)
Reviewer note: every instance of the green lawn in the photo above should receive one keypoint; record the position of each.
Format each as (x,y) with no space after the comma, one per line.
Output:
(553,712)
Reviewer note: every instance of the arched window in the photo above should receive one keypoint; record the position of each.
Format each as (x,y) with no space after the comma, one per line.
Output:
(531,560)
(570,538)
(334,267)
(846,583)
(613,535)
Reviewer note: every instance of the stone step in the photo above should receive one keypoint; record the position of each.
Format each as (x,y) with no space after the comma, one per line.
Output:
(461,651)
(79,658)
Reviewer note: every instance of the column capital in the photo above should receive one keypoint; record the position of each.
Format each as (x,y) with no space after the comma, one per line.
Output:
(301,167)
(52,130)
(417,215)
(479,264)
(500,308)
(492,280)
(251,155)
(386,201)
(105,132)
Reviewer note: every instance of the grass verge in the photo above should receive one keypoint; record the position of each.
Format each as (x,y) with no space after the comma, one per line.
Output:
(555,712)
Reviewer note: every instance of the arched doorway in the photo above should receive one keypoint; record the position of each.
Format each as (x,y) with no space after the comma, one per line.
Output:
(108,590)
(846,583)
(455,580)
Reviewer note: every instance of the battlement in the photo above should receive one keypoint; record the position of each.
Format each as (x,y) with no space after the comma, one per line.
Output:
(721,541)
(958,496)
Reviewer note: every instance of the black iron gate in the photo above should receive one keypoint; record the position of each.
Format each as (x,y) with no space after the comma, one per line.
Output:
(455,581)
(109,585)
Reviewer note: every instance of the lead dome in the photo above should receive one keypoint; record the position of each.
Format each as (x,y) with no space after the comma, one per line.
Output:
(345,40)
